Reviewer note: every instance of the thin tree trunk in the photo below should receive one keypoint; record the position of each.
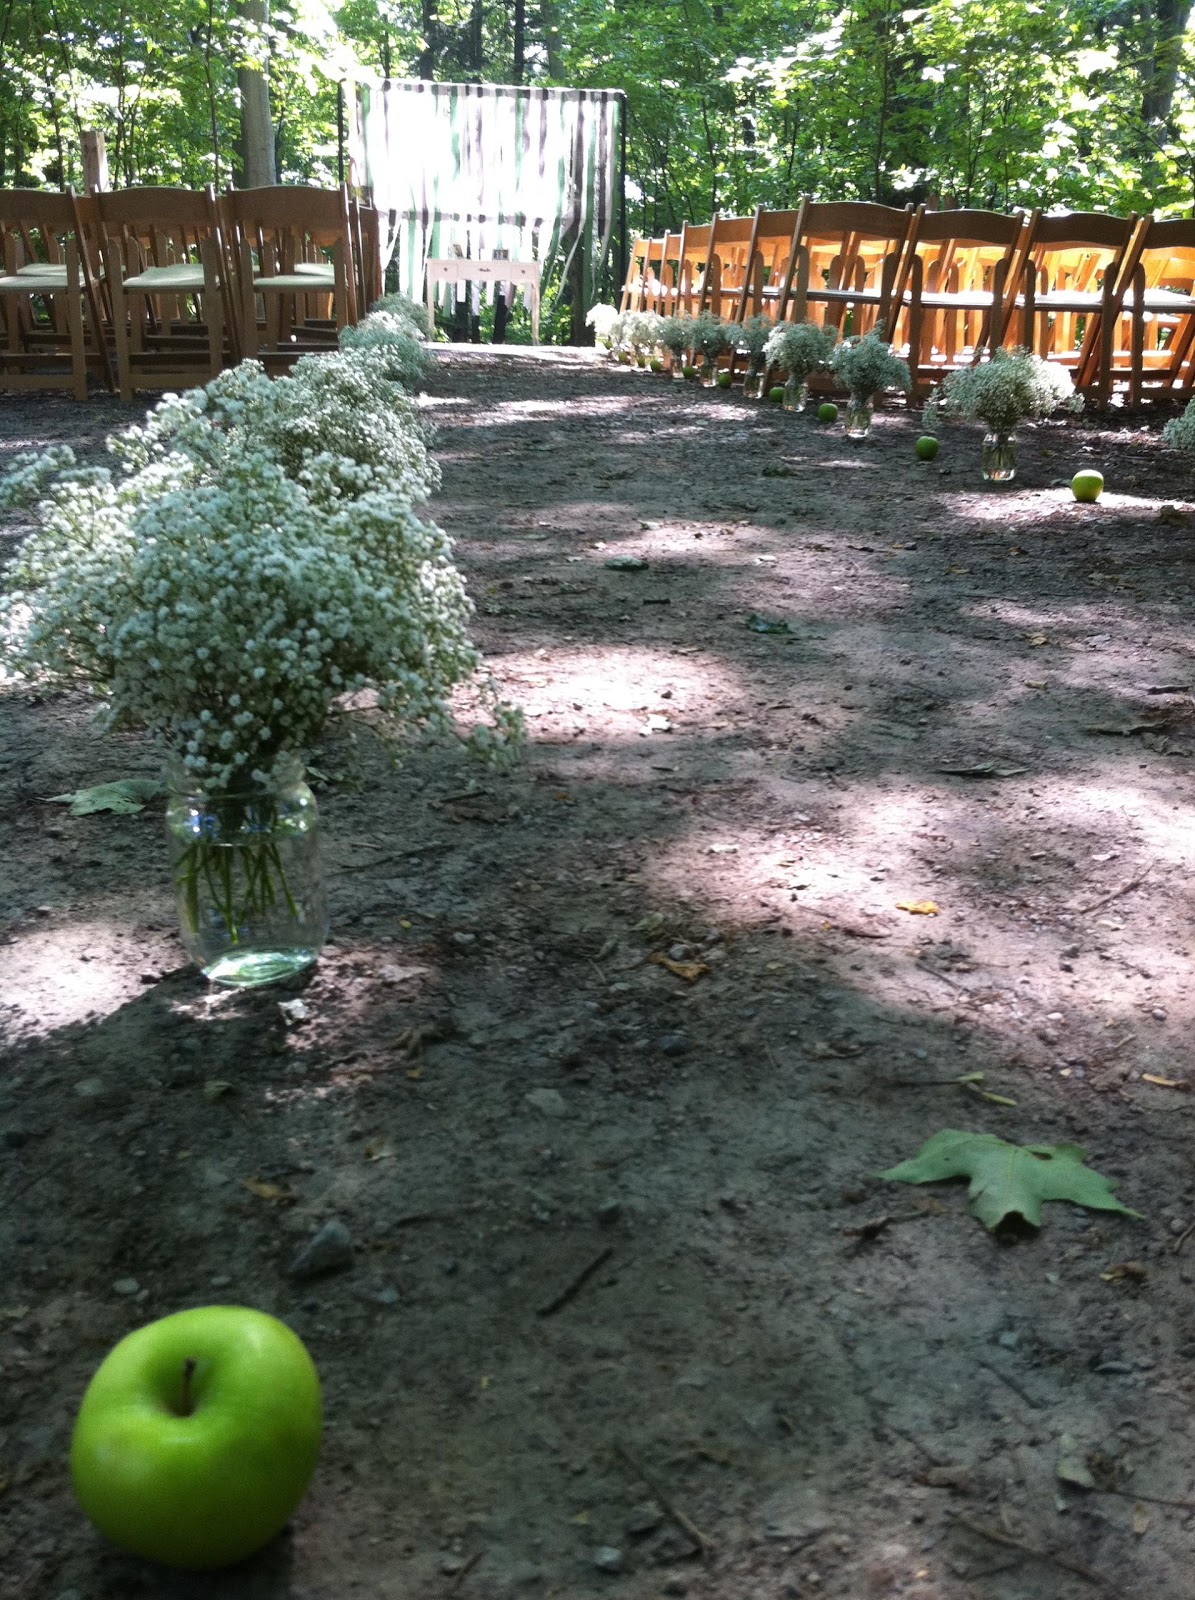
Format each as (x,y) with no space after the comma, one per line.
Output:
(258,165)
(1158,96)
(550,23)
(520,42)
(429,23)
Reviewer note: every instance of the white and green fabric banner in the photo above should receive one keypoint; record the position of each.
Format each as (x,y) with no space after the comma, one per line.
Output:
(485,167)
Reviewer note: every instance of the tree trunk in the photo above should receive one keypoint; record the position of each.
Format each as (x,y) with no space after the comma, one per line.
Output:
(520,62)
(429,26)
(550,23)
(1162,71)
(258,165)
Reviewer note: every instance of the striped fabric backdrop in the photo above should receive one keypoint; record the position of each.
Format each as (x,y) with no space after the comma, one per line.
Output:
(492,167)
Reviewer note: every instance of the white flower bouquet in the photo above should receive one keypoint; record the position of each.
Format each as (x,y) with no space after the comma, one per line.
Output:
(1179,432)
(800,348)
(865,365)
(601,318)
(252,559)
(1013,387)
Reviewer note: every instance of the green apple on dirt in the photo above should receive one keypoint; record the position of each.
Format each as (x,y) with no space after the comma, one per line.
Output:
(724,380)
(1087,485)
(690,372)
(777,394)
(198,1436)
(827,412)
(926,447)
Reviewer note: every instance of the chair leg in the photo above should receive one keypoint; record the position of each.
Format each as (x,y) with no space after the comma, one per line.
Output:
(121,312)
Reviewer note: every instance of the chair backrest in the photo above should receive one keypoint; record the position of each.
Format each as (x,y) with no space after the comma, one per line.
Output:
(857,244)
(1165,251)
(164,226)
(633,282)
(776,237)
(1071,252)
(33,225)
(732,241)
(693,262)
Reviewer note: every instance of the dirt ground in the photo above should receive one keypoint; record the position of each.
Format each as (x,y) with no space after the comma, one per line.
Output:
(606,1054)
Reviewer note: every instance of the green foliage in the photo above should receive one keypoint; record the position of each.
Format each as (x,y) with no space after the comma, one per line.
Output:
(1007,1179)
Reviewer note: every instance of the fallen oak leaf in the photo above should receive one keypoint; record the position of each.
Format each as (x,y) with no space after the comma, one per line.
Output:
(1007,1179)
(918,908)
(1165,1083)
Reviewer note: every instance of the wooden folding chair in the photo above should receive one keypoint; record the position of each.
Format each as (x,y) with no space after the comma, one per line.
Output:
(766,285)
(1154,312)
(165,286)
(693,259)
(963,275)
(291,256)
(365,224)
(1069,292)
(731,248)
(45,282)
(851,258)
(632,286)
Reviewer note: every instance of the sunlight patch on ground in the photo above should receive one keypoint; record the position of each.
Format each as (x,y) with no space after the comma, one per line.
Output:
(48,979)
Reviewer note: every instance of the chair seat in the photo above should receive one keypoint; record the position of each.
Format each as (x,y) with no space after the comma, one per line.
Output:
(973,301)
(44,271)
(302,281)
(316,269)
(183,278)
(48,281)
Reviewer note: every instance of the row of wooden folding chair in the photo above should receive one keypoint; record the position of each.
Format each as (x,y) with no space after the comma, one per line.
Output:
(1083,289)
(177,283)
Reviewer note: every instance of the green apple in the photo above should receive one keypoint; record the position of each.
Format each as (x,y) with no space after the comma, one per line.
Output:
(198,1436)
(657,365)
(724,380)
(690,372)
(827,412)
(777,394)
(926,447)
(1087,485)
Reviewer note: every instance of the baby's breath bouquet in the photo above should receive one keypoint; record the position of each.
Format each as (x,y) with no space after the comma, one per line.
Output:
(864,366)
(712,337)
(753,337)
(676,336)
(1013,387)
(601,318)
(643,333)
(1179,432)
(251,559)
(799,349)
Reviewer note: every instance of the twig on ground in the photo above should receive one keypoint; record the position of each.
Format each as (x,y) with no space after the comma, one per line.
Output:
(465,1570)
(1012,1384)
(1183,1237)
(1150,1499)
(1125,888)
(702,1540)
(1067,1563)
(575,1283)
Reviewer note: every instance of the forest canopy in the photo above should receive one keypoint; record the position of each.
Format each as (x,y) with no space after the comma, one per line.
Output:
(1084,103)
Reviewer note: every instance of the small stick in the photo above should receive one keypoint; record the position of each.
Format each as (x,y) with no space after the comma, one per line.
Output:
(1150,1499)
(702,1540)
(1125,888)
(1067,1563)
(575,1283)
(465,1570)
(1012,1384)
(1183,1237)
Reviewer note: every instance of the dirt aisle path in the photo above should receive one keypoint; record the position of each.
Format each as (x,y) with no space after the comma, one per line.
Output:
(607,1053)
